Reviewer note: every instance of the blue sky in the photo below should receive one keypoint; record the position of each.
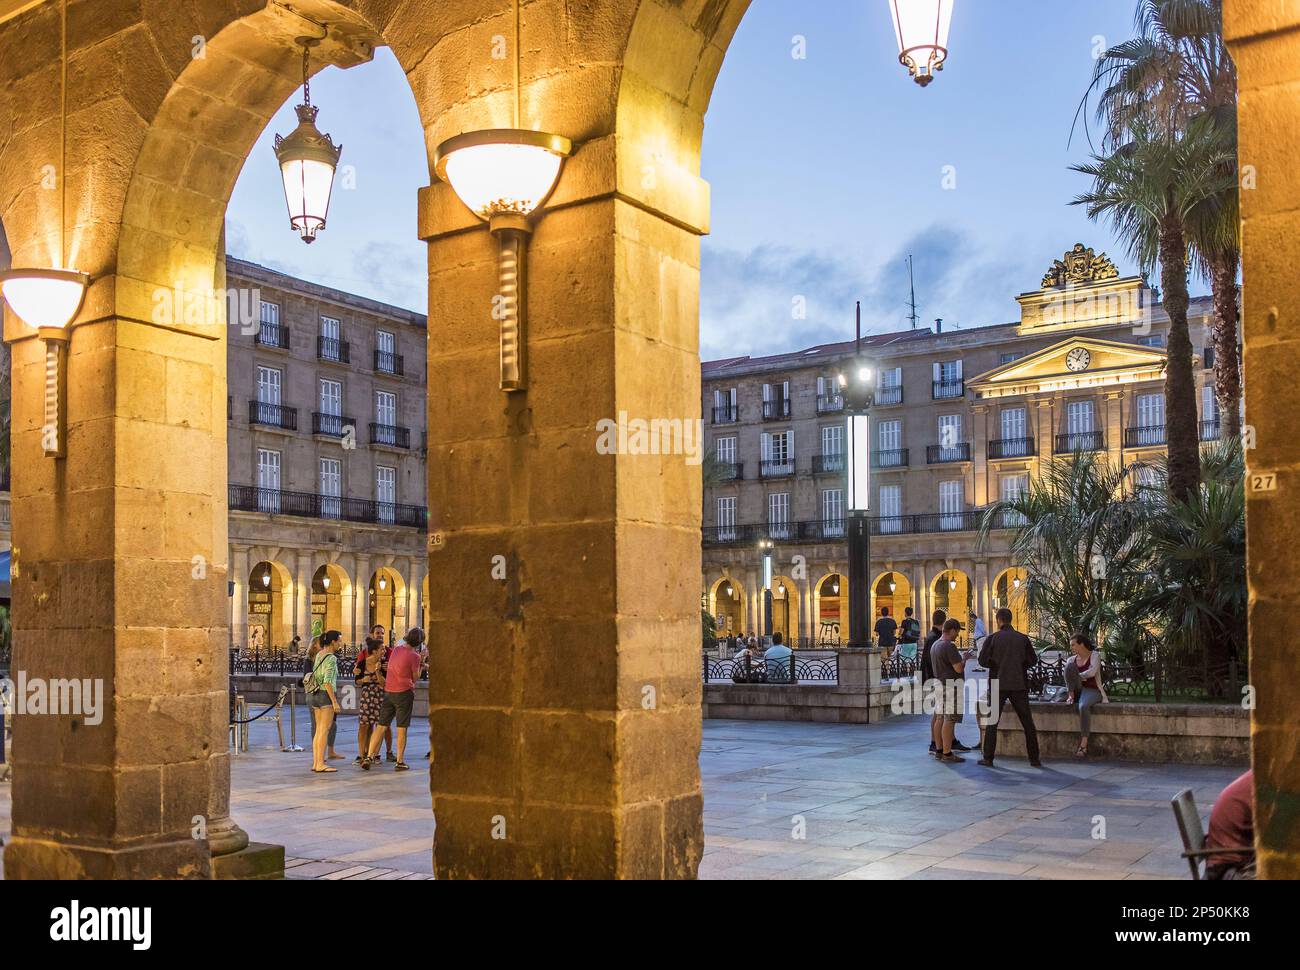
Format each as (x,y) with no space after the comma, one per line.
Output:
(827,172)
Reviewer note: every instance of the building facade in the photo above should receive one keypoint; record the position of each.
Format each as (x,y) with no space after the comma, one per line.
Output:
(961,420)
(326,422)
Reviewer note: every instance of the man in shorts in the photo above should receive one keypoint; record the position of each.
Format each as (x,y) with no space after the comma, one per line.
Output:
(949,669)
(404,666)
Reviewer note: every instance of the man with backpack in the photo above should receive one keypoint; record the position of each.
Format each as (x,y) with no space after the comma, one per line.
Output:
(909,633)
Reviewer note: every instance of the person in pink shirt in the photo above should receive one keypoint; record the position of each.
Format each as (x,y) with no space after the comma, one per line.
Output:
(404,665)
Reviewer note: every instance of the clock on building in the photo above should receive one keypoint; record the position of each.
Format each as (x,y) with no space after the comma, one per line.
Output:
(1078,359)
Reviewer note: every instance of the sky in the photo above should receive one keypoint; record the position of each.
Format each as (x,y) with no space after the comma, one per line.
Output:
(827,171)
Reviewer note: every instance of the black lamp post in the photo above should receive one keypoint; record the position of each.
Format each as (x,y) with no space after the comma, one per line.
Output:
(858,384)
(766,547)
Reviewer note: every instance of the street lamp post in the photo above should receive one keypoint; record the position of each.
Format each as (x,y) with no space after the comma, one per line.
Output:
(766,547)
(858,384)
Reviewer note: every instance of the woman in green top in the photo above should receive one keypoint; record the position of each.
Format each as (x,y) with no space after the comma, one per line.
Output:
(324,700)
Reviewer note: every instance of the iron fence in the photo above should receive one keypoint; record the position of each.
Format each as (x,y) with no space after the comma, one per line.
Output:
(788,671)
(285,663)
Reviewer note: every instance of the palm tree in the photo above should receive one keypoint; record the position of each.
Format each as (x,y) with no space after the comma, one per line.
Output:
(1149,188)
(1178,70)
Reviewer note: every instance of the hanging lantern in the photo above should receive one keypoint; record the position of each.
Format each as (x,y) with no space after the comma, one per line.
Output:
(266,578)
(921,27)
(893,587)
(383,583)
(308,161)
(325,581)
(952,583)
(1016,582)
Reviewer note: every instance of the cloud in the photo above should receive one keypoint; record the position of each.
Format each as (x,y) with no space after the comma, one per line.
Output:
(747,298)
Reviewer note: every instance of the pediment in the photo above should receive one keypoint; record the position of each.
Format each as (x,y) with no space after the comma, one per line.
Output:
(1107,362)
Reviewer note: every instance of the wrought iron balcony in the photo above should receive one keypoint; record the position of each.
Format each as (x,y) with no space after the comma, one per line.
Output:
(830,403)
(891,458)
(730,535)
(726,415)
(824,530)
(1211,430)
(273,415)
(1079,441)
(945,454)
(888,397)
(776,410)
(947,390)
(968,521)
(331,425)
(1150,436)
(386,363)
(828,464)
(338,351)
(730,472)
(390,435)
(272,335)
(273,501)
(1011,448)
(776,469)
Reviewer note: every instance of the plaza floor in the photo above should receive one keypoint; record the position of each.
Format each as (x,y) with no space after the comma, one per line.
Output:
(781,801)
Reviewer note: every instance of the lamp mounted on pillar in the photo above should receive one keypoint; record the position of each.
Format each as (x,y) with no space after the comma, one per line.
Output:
(49,299)
(504,175)
(921,27)
(307,159)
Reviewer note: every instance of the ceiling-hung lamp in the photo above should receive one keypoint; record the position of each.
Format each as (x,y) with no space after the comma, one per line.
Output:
(266,577)
(952,583)
(49,299)
(383,583)
(504,175)
(921,27)
(893,586)
(308,160)
(1016,582)
(325,581)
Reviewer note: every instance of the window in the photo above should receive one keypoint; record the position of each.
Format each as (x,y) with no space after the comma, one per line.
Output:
(778,453)
(891,378)
(385,342)
(386,359)
(891,509)
(1013,487)
(1079,418)
(950,431)
(331,398)
(951,499)
(331,487)
(386,408)
(1209,404)
(832,512)
(270,314)
(727,518)
(776,400)
(725,409)
(1152,340)
(268,385)
(1208,357)
(386,493)
(726,450)
(949,370)
(329,328)
(891,435)
(829,395)
(1010,357)
(948,380)
(778,515)
(1013,424)
(268,480)
(1151,411)
(833,441)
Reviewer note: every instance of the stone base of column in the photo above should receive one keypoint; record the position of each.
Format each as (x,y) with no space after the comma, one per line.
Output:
(256,860)
(28,858)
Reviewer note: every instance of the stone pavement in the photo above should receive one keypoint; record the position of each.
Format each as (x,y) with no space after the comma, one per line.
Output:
(782,801)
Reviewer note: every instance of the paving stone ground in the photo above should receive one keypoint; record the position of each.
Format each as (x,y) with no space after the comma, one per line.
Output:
(781,801)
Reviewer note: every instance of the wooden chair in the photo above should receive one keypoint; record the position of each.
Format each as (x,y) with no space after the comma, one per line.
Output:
(1193,834)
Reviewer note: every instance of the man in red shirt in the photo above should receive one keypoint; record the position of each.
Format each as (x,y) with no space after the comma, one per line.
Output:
(1232,826)
(404,667)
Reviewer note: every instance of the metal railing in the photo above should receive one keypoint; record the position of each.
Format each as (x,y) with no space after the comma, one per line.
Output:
(888,397)
(331,425)
(929,523)
(1011,448)
(776,410)
(775,469)
(278,662)
(726,415)
(1211,430)
(830,403)
(338,351)
(1079,441)
(386,363)
(947,390)
(827,464)
(788,671)
(1160,678)
(310,505)
(272,335)
(893,458)
(390,435)
(273,415)
(1144,437)
(730,472)
(946,454)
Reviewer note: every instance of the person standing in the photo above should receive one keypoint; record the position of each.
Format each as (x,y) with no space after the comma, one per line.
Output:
(370,678)
(886,631)
(324,699)
(978,631)
(949,671)
(404,667)
(1083,674)
(909,634)
(937,622)
(1008,654)
(377,632)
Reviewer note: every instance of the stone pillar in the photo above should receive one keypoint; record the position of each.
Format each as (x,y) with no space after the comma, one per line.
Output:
(361,599)
(980,454)
(981,597)
(302,594)
(239,596)
(567,740)
(1265,40)
(1114,418)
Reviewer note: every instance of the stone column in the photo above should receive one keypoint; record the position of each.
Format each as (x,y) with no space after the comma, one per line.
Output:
(361,599)
(302,594)
(239,596)
(1265,40)
(981,597)
(980,454)
(567,742)
(1116,403)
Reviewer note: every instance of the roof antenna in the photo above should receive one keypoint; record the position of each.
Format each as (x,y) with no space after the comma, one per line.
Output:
(858,346)
(911,281)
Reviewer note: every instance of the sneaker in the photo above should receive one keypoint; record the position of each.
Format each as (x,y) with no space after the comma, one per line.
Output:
(365,764)
(958,746)
(391,757)
(401,766)
(357,760)
(932,747)
(950,758)
(986,762)
(936,754)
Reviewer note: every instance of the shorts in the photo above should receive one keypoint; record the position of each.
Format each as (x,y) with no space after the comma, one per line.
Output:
(319,698)
(950,700)
(397,705)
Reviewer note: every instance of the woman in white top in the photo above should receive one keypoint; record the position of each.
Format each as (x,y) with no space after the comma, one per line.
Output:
(1083,674)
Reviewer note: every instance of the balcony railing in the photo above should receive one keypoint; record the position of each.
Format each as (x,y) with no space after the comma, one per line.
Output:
(888,397)
(891,458)
(390,435)
(836,530)
(828,464)
(273,415)
(1011,448)
(730,472)
(271,501)
(386,363)
(830,403)
(947,390)
(776,410)
(946,454)
(272,335)
(826,529)
(968,521)
(1150,436)
(726,415)
(338,351)
(775,469)
(1079,441)
(331,425)
(1211,430)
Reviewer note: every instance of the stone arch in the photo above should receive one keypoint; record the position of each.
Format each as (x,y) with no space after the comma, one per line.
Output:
(331,601)
(953,591)
(730,609)
(1010,589)
(270,606)
(897,599)
(786,609)
(386,602)
(831,609)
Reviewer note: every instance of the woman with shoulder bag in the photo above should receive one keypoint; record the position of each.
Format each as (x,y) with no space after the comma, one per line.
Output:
(370,678)
(324,698)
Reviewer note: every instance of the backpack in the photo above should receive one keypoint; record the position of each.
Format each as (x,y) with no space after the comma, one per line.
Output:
(911,630)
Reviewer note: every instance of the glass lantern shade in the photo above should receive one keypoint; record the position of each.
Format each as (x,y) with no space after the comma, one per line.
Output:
(921,27)
(308,161)
(45,298)
(502,171)
(858,463)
